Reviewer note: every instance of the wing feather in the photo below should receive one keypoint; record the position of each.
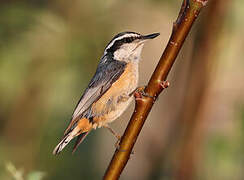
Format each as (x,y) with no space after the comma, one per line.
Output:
(107,73)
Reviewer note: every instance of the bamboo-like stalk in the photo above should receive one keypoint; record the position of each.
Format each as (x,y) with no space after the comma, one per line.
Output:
(189,11)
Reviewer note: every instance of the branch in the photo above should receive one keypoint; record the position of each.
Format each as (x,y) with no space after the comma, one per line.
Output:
(188,13)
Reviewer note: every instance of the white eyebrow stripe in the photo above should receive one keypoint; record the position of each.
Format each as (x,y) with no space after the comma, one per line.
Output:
(119,38)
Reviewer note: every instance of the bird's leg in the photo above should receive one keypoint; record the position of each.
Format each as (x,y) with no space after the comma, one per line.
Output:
(115,134)
(112,131)
(117,146)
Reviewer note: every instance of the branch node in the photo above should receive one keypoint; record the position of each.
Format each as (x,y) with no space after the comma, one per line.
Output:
(165,84)
(184,6)
(203,2)
(196,12)
(173,43)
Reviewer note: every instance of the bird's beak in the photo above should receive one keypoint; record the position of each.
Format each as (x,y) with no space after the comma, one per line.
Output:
(150,36)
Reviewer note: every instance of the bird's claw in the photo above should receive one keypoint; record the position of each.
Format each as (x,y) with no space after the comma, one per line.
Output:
(140,91)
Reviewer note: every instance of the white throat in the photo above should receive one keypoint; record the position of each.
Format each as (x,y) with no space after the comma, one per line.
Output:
(127,54)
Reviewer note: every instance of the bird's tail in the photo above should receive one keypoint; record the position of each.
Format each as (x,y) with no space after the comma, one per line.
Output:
(81,129)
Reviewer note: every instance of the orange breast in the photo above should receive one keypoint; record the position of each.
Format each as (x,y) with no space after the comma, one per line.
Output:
(114,100)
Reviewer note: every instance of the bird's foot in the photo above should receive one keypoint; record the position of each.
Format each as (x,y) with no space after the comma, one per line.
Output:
(140,91)
(112,131)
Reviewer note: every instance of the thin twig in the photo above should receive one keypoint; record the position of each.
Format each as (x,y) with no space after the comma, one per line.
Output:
(187,15)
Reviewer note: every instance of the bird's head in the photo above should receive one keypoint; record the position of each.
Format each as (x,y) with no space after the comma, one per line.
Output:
(127,46)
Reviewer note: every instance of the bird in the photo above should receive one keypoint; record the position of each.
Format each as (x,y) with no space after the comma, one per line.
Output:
(110,90)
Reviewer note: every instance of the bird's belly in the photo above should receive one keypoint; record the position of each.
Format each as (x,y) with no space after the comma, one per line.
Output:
(115,101)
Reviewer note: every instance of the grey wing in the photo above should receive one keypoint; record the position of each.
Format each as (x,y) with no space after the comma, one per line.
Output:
(107,73)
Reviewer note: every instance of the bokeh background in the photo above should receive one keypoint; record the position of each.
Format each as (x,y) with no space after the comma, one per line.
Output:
(49,50)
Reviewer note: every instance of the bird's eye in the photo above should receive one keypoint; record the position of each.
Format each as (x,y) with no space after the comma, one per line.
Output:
(128,40)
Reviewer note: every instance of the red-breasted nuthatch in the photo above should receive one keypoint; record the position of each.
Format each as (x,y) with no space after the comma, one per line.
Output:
(110,91)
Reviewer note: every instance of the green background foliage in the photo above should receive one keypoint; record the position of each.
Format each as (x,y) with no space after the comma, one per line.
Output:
(49,50)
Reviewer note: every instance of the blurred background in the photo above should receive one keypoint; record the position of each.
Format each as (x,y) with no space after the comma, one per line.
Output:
(49,50)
